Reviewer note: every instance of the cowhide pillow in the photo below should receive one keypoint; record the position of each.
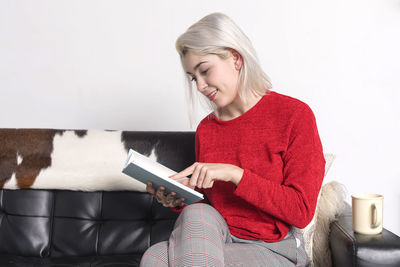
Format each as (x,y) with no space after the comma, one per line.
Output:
(87,160)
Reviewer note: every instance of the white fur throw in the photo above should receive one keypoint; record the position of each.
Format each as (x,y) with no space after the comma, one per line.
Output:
(330,203)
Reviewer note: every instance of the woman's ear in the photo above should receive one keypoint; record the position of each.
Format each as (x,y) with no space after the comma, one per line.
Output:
(237,59)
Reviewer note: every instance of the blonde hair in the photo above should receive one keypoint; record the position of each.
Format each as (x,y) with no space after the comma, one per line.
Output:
(217,34)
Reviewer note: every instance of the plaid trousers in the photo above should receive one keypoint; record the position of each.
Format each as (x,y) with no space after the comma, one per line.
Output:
(201,237)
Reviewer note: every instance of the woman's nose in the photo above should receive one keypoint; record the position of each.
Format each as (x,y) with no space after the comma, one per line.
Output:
(201,85)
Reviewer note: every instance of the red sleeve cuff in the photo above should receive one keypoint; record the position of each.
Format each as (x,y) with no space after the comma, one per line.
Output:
(178,210)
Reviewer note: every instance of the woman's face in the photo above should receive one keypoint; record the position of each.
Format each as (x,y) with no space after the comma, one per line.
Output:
(215,78)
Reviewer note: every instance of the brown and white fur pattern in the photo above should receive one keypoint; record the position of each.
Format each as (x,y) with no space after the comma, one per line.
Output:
(65,159)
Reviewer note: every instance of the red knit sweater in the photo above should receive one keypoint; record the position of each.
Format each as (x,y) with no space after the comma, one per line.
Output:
(277,144)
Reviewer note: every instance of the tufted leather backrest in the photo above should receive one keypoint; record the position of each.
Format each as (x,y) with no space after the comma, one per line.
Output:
(57,223)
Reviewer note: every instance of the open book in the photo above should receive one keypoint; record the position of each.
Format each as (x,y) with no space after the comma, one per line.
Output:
(146,170)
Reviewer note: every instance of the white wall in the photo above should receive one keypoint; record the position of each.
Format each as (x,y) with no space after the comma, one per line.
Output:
(113,65)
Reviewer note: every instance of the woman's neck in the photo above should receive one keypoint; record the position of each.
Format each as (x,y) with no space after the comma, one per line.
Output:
(237,107)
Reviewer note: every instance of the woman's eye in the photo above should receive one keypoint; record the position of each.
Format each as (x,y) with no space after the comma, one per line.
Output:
(202,73)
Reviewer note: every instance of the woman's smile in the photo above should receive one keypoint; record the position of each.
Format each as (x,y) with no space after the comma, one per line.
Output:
(212,95)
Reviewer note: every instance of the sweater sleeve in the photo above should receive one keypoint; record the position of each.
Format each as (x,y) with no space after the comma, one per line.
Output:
(294,200)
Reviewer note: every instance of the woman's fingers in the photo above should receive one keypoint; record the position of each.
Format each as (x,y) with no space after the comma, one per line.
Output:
(169,200)
(195,175)
(203,175)
(178,202)
(150,189)
(186,182)
(160,194)
(186,172)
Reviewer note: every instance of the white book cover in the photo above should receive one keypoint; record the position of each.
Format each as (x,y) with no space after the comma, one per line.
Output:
(146,170)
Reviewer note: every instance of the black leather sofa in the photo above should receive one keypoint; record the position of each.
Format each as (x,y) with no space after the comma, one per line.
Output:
(74,228)
(352,249)
(69,228)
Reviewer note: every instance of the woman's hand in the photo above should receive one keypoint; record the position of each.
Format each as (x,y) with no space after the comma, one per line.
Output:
(204,174)
(168,201)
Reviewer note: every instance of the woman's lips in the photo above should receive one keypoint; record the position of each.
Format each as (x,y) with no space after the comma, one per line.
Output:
(212,95)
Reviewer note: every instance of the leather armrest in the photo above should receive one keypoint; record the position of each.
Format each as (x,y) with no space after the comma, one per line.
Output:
(353,249)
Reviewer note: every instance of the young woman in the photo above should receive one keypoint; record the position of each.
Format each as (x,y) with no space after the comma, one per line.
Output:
(259,161)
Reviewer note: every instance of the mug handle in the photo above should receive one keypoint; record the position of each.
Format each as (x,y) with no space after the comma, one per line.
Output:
(376,218)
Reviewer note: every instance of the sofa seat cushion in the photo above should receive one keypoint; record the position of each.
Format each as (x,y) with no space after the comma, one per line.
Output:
(104,261)
(60,223)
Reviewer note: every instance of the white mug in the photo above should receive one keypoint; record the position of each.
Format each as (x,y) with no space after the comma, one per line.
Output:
(367,211)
